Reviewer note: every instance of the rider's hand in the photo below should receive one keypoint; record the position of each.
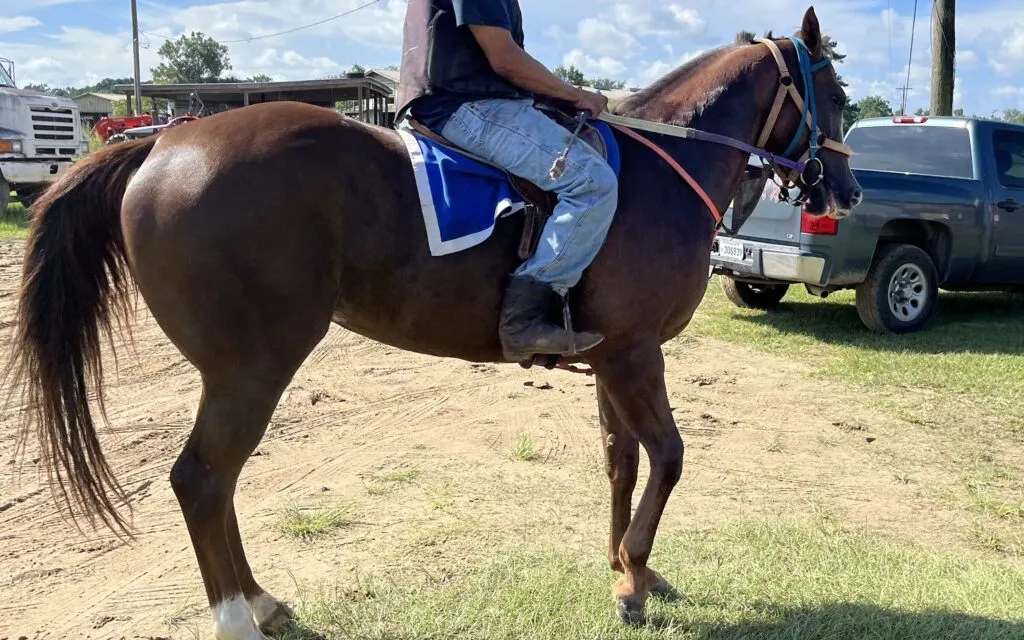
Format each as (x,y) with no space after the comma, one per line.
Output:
(595,103)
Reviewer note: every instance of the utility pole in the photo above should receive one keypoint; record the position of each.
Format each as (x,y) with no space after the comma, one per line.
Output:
(135,53)
(943,56)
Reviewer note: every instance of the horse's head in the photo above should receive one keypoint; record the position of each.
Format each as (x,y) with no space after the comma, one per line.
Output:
(810,124)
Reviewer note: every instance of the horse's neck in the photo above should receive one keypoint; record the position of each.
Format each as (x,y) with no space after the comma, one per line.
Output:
(739,112)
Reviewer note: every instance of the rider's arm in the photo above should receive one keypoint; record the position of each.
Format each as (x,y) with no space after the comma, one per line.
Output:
(520,68)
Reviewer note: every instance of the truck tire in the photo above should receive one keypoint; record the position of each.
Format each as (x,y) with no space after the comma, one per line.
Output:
(900,291)
(5,196)
(28,194)
(748,295)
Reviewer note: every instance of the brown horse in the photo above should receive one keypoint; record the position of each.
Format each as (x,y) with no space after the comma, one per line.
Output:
(247,233)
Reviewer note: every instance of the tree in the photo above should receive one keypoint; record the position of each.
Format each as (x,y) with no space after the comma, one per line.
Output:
(850,112)
(46,89)
(1012,115)
(260,77)
(874,107)
(607,84)
(572,75)
(192,58)
(959,112)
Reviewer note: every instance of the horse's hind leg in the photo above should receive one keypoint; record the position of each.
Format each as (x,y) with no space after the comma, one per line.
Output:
(244,376)
(622,460)
(634,406)
(233,416)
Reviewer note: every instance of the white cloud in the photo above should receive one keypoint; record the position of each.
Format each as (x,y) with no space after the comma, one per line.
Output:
(291,64)
(602,67)
(655,20)
(650,72)
(376,26)
(603,38)
(18,23)
(1013,44)
(633,40)
(967,59)
(1009,96)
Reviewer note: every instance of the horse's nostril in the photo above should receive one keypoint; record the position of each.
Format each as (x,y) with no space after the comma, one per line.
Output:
(858,195)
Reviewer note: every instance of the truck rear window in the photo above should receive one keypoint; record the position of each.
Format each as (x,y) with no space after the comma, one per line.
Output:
(935,151)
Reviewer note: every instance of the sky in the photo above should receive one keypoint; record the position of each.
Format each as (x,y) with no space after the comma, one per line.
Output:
(77,42)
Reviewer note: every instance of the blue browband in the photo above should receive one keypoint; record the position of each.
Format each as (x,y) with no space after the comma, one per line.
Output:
(807,71)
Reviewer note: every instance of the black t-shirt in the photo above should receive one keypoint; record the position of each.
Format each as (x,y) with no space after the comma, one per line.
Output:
(434,110)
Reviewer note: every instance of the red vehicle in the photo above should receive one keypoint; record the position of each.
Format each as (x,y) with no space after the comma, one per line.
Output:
(107,126)
(149,130)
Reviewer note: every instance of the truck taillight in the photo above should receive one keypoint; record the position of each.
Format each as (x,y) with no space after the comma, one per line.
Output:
(818,225)
(910,119)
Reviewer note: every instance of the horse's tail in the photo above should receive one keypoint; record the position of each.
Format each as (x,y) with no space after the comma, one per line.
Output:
(75,278)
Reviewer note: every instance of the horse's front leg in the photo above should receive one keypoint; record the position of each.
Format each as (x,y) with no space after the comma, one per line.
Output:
(634,410)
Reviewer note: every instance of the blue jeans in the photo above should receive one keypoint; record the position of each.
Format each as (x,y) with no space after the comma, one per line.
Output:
(517,137)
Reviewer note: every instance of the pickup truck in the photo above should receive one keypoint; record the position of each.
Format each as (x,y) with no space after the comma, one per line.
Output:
(943,208)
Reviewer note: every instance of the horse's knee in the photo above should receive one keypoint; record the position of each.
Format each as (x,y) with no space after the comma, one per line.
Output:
(195,484)
(667,460)
(622,468)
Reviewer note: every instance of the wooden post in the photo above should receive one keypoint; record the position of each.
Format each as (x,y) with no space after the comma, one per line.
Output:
(361,105)
(943,56)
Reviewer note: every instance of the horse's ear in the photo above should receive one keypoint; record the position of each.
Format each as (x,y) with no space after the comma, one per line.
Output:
(810,31)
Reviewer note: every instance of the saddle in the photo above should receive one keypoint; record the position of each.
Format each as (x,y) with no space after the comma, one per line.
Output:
(540,203)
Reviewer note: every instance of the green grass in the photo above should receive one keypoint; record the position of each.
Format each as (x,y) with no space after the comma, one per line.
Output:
(971,354)
(523,449)
(13,222)
(737,580)
(312,524)
(387,482)
(952,394)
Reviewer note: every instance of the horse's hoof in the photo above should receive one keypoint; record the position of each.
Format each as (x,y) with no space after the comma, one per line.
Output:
(630,611)
(272,615)
(662,588)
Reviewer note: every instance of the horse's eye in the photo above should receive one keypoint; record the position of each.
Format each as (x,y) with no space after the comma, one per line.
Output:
(839,101)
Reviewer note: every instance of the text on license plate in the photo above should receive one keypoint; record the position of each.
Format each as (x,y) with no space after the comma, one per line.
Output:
(730,250)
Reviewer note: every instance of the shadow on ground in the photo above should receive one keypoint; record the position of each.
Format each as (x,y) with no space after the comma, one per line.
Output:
(856,621)
(977,323)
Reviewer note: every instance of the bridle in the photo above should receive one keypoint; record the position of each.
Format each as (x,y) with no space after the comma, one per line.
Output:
(804,173)
(813,170)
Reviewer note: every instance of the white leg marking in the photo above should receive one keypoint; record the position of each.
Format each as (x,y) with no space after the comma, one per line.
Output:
(232,620)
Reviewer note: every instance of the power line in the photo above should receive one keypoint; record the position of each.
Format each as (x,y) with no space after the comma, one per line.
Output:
(286,31)
(910,60)
(888,22)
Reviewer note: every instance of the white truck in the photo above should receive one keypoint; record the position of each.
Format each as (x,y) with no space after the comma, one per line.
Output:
(40,136)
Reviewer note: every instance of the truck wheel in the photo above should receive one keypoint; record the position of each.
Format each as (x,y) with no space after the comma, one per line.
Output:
(30,193)
(754,296)
(900,291)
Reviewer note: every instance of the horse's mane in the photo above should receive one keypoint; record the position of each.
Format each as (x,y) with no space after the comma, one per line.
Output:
(712,85)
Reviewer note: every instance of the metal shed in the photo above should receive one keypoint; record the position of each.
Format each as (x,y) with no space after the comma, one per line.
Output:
(369,96)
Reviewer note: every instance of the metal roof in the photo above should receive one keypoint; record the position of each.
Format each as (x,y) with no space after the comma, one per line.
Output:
(324,90)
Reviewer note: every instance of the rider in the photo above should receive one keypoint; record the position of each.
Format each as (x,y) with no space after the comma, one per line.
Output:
(466,76)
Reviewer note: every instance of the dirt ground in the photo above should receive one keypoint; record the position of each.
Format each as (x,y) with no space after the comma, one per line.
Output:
(762,438)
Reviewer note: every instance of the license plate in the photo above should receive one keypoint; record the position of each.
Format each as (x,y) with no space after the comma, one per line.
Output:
(730,250)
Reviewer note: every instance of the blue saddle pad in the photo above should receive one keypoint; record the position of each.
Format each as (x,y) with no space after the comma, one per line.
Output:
(461,197)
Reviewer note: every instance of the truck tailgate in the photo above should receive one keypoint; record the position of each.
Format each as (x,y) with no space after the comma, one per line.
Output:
(772,222)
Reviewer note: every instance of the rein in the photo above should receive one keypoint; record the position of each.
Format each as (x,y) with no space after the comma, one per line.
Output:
(808,117)
(796,168)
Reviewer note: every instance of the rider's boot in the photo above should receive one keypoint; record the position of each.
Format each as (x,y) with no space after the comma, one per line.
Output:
(525,331)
